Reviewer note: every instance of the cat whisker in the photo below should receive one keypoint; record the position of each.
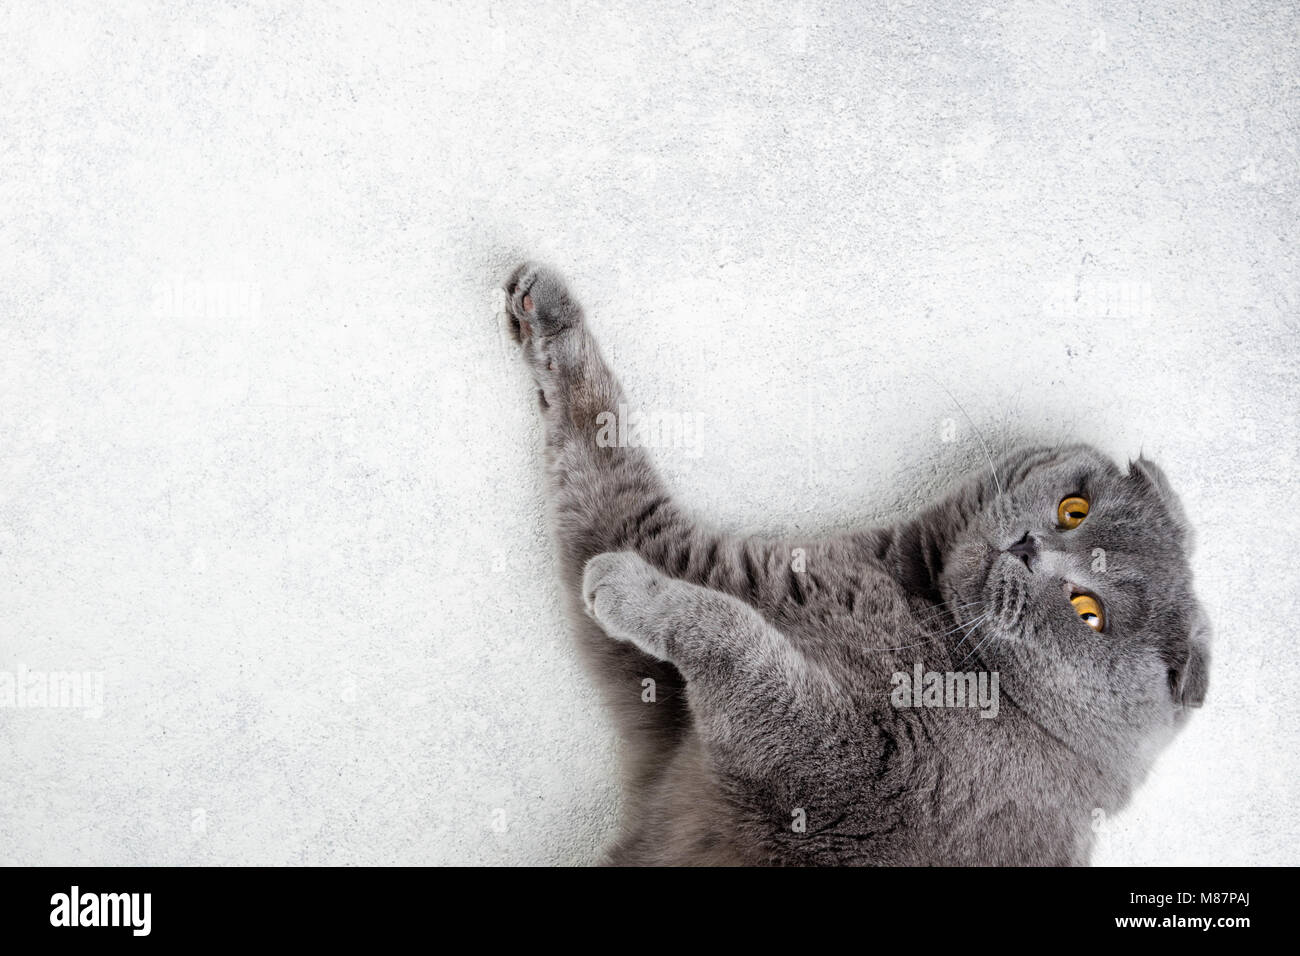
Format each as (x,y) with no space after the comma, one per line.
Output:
(904,647)
(950,605)
(978,646)
(930,642)
(972,627)
(939,611)
(978,434)
(965,624)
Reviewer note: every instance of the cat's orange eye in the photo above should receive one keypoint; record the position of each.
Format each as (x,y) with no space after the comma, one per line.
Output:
(1071,512)
(1089,610)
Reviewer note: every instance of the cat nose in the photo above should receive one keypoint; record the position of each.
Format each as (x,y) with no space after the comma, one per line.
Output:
(1026,549)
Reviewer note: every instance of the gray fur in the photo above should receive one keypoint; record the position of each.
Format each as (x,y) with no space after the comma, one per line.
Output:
(773,684)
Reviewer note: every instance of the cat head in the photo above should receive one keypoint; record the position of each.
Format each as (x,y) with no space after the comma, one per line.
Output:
(1071,575)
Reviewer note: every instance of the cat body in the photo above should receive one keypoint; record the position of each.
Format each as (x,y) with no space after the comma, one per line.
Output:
(763,687)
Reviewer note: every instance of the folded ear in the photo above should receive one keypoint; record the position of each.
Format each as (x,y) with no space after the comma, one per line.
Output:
(1148,474)
(1190,682)
(1189,678)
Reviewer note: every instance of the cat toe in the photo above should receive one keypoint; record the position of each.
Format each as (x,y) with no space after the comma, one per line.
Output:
(597,574)
(614,585)
(520,305)
(538,302)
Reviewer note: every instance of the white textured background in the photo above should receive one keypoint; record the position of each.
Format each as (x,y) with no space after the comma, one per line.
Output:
(301,536)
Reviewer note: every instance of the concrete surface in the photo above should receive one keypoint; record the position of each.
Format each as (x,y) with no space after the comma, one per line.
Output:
(270,472)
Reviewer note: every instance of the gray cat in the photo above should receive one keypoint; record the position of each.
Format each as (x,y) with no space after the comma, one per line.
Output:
(810,701)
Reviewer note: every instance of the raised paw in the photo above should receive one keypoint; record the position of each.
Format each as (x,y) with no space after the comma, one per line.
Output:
(623,593)
(538,302)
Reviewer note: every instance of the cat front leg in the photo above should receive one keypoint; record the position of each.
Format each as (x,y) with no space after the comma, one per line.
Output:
(602,495)
(574,383)
(704,633)
(607,497)
(756,701)
(605,494)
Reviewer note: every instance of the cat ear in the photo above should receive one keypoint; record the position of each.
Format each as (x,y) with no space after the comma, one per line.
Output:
(1190,682)
(1147,473)
(1190,679)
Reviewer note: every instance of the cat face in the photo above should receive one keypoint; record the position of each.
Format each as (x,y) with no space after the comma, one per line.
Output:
(1073,582)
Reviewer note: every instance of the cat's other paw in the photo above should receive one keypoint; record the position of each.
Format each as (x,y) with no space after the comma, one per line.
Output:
(622,592)
(538,303)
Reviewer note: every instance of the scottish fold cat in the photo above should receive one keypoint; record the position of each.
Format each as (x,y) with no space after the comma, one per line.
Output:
(974,684)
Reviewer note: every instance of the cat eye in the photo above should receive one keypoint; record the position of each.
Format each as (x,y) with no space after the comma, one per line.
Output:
(1071,512)
(1089,610)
